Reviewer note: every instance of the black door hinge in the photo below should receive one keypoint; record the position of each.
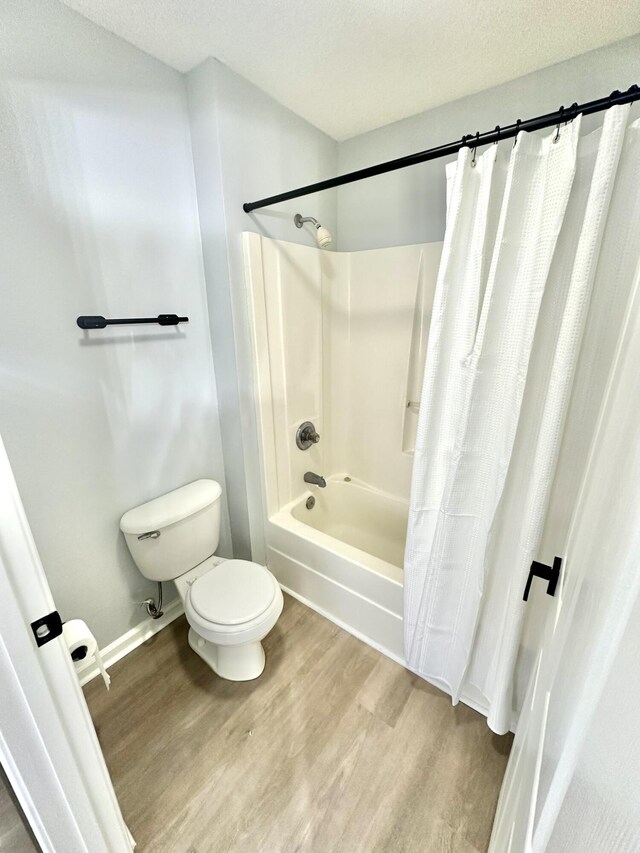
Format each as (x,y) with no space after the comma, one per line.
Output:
(547,573)
(47,628)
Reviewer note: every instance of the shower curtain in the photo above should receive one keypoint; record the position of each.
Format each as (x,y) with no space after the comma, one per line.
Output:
(540,250)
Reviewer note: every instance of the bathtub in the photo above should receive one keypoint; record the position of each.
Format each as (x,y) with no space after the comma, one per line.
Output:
(356,515)
(343,557)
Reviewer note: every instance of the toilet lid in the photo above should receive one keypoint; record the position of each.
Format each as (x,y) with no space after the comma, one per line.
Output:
(233,592)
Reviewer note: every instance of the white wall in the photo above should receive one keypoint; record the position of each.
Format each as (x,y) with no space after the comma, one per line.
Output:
(98,215)
(408,206)
(246,146)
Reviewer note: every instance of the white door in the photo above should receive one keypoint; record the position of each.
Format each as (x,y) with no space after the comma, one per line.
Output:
(48,746)
(567,727)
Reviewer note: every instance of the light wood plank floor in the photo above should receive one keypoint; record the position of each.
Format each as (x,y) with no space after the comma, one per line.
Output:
(333,748)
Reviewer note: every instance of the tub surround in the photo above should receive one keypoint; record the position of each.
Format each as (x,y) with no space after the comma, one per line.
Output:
(333,340)
(339,339)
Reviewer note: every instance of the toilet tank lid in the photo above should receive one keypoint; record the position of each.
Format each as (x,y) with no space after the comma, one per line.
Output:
(170,508)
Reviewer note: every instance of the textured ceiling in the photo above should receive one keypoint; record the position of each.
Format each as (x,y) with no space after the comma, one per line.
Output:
(348,66)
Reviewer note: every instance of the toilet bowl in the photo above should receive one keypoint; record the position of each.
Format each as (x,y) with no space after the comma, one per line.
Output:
(230,605)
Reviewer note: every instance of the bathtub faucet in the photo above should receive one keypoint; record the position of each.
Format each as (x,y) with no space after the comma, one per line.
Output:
(315,479)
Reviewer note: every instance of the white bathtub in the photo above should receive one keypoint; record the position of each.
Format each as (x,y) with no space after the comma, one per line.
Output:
(344,558)
(356,515)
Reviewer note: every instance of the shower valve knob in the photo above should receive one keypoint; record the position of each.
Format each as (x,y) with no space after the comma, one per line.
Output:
(306,435)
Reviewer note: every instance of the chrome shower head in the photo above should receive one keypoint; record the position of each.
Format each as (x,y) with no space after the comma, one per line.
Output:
(323,235)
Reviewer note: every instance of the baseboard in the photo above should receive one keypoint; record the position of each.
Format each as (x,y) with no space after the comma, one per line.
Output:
(131,640)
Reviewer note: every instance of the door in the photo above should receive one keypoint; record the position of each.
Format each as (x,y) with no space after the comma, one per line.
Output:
(564,731)
(49,751)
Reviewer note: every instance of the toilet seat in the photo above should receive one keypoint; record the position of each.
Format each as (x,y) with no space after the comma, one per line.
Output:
(233,602)
(233,592)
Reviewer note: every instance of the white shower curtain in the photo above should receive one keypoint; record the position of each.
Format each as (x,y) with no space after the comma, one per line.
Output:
(539,255)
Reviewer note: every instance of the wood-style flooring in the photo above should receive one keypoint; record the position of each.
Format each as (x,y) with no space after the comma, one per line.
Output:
(333,748)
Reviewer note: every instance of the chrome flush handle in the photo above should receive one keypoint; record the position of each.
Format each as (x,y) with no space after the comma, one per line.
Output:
(150,534)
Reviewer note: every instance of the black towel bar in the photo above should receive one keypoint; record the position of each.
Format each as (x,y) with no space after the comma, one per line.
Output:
(98,322)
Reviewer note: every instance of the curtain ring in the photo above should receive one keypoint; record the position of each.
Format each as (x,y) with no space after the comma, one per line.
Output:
(475,148)
(515,138)
(497,132)
(557,136)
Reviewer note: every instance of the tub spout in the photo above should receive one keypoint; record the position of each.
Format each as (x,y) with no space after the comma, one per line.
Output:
(315,479)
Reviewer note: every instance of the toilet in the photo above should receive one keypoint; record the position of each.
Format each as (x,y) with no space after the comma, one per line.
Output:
(230,605)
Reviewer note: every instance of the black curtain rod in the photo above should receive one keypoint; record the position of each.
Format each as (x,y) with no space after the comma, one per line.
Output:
(472,140)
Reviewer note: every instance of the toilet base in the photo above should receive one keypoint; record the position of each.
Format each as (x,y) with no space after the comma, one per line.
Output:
(242,662)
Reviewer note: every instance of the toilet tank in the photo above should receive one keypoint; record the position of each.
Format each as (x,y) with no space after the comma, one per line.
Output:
(175,532)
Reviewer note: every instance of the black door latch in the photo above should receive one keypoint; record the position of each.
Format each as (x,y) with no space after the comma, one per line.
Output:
(547,573)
